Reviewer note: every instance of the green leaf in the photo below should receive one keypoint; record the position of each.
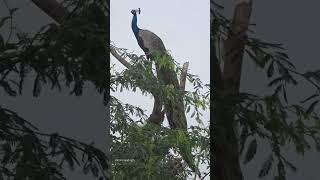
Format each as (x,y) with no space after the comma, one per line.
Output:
(8,88)
(3,20)
(311,107)
(252,149)
(1,43)
(275,81)
(284,93)
(36,86)
(270,70)
(258,57)
(192,115)
(243,138)
(266,166)
(188,109)
(290,165)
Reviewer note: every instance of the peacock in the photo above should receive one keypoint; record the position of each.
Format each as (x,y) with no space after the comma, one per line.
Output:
(155,50)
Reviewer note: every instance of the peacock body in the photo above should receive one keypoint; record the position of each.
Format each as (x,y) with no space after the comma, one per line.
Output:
(155,50)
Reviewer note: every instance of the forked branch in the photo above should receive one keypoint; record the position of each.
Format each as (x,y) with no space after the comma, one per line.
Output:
(157,115)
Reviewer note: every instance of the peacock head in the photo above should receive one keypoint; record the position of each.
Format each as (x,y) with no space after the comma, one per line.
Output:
(134,11)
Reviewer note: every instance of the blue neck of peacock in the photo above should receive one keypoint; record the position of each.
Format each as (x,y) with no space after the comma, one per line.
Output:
(134,25)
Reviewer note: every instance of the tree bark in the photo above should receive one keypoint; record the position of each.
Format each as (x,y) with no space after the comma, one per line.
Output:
(226,84)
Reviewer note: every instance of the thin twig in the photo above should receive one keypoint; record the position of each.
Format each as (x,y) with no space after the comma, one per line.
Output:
(205,175)
(309,80)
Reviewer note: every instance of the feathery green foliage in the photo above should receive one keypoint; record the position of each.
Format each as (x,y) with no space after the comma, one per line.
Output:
(73,52)
(143,150)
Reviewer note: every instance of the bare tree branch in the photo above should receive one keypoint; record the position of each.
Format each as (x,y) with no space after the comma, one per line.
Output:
(157,115)
(115,54)
(183,76)
(234,46)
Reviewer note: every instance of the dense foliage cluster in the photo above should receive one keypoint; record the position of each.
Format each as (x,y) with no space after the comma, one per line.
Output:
(67,54)
(145,150)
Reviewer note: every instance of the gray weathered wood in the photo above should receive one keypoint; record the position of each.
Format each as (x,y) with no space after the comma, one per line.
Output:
(226,85)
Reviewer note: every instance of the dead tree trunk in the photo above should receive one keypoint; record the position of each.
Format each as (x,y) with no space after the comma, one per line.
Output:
(226,84)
